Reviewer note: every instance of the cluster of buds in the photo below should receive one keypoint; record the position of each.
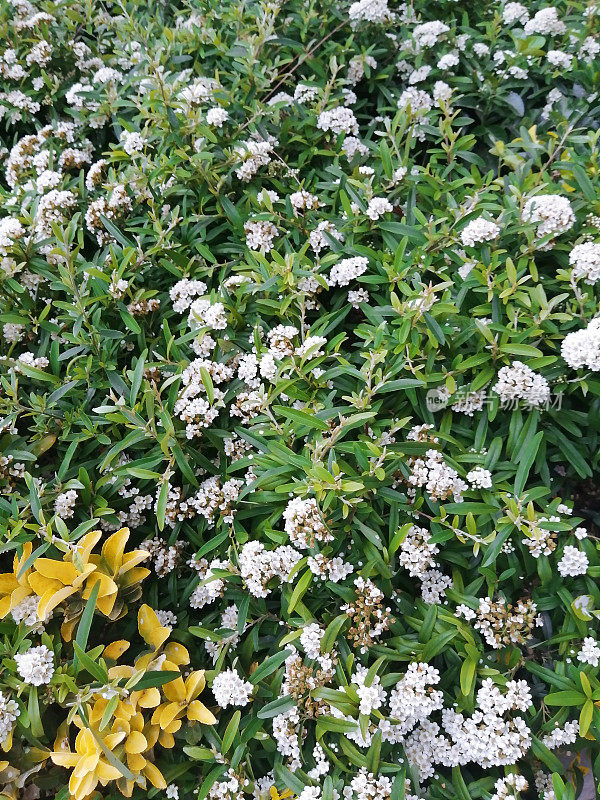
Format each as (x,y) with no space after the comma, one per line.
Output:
(369,617)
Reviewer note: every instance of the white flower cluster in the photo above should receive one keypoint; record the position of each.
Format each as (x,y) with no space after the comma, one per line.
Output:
(590,652)
(167,619)
(418,103)
(338,120)
(574,562)
(508,788)
(480,478)
(36,665)
(378,206)
(302,200)
(519,382)
(26,612)
(211,586)
(434,585)
(9,711)
(369,11)
(11,231)
(258,566)
(217,116)
(310,639)
(413,699)
(501,624)
(347,270)
(331,569)
(582,348)
(585,261)
(370,697)
(436,477)
(304,523)
(367,786)
(486,738)
(285,733)
(320,237)
(132,142)
(479,230)
(356,67)
(417,552)
(206,314)
(561,736)
(193,406)
(545,21)
(65,504)
(311,347)
(230,788)
(253,156)
(183,293)
(515,12)
(551,212)
(260,235)
(213,500)
(230,689)
(428,33)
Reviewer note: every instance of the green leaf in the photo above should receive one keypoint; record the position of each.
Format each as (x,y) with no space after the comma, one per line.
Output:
(546,756)
(268,666)
(325,724)
(155,678)
(462,792)
(399,786)
(526,458)
(301,417)
(90,665)
(276,707)
(161,505)
(116,233)
(199,753)
(299,590)
(85,623)
(569,697)
(230,732)
(33,710)
(467,675)
(33,557)
(586,716)
(331,633)
(138,375)
(210,780)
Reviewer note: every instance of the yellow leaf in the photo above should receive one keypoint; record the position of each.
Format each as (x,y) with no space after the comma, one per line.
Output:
(198,712)
(135,762)
(106,772)
(154,775)
(135,742)
(194,684)
(61,571)
(116,649)
(113,549)
(50,600)
(168,713)
(150,628)
(132,559)
(175,690)
(177,653)
(87,543)
(148,698)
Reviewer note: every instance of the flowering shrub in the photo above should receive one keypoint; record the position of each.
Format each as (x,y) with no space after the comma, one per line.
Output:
(299,408)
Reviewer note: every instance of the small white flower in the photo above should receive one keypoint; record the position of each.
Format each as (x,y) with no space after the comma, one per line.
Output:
(36,665)
(231,690)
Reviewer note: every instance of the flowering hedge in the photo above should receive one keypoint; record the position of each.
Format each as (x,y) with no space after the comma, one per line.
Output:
(300,400)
